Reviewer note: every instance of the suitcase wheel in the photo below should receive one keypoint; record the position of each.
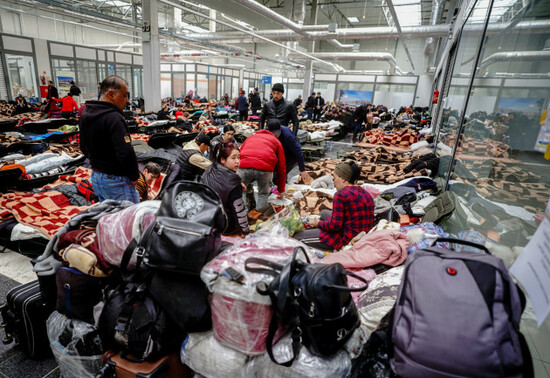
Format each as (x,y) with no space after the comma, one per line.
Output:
(7,340)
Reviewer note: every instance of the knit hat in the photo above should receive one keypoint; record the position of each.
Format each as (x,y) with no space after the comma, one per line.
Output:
(202,139)
(345,171)
(274,125)
(278,87)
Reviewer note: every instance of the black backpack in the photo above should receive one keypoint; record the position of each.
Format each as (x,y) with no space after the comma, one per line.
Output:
(187,231)
(132,321)
(312,300)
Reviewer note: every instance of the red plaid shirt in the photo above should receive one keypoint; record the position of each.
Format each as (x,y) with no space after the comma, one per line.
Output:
(352,212)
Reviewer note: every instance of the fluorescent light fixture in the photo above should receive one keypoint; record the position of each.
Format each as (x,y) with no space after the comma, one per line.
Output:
(353,20)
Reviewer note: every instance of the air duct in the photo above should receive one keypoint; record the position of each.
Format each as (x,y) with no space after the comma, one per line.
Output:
(429,46)
(513,56)
(426,31)
(383,57)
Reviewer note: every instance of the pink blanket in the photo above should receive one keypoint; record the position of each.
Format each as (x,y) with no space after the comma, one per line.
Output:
(379,247)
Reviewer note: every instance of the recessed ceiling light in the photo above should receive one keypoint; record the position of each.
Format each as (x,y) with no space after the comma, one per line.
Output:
(353,20)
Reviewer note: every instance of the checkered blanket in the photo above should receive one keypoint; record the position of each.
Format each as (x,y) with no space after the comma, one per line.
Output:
(47,211)
(397,137)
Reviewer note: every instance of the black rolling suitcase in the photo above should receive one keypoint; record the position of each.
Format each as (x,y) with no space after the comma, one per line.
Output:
(24,320)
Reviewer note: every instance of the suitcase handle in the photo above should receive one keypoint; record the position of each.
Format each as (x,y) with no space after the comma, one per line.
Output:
(463,242)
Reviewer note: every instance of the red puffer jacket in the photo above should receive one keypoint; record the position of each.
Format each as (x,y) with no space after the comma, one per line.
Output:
(264,152)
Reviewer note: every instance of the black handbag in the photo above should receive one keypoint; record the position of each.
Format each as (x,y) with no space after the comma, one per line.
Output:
(312,300)
(187,231)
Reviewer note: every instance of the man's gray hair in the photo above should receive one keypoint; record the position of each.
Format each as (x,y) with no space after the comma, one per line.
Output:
(111,83)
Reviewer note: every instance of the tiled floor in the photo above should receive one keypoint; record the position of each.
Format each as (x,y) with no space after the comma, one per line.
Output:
(16,269)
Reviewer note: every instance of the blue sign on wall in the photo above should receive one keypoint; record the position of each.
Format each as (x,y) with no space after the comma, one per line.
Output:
(266,79)
(111,67)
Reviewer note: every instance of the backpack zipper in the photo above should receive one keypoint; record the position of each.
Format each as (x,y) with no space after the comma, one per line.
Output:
(179,230)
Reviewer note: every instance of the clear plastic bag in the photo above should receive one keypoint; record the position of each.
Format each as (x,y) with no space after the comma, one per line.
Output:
(76,346)
(202,353)
(240,315)
(305,365)
(116,231)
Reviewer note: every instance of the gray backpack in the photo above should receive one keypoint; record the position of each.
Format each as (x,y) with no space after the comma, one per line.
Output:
(457,315)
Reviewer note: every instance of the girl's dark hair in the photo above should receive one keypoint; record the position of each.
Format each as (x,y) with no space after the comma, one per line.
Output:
(227,128)
(356,171)
(223,150)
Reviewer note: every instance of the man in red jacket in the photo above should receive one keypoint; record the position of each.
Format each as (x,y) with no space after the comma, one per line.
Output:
(69,105)
(261,155)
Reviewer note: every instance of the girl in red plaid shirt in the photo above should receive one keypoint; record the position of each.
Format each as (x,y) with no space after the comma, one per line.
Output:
(352,212)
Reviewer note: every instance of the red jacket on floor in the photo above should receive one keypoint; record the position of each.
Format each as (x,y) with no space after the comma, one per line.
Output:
(69,105)
(264,152)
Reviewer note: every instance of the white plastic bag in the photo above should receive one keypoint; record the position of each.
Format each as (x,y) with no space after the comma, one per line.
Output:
(71,340)
(202,353)
(305,365)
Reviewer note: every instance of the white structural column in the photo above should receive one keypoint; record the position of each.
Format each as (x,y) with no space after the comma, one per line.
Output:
(308,87)
(151,55)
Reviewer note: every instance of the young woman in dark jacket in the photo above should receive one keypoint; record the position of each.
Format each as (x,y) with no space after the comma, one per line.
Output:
(222,179)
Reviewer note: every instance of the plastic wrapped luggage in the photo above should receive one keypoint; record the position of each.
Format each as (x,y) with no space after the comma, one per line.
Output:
(240,315)
(76,346)
(115,231)
(24,317)
(207,357)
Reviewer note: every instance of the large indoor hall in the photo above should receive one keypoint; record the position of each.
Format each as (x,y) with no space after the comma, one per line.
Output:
(269,188)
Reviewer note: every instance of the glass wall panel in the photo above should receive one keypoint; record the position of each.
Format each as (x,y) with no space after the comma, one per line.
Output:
(326,89)
(102,71)
(165,85)
(212,80)
(22,75)
(202,85)
(293,90)
(501,178)
(138,82)
(452,102)
(125,72)
(178,83)
(394,95)
(87,79)
(63,73)
(190,83)
(235,87)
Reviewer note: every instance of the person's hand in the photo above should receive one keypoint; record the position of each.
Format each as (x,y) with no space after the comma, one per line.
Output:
(244,186)
(281,195)
(306,178)
(315,222)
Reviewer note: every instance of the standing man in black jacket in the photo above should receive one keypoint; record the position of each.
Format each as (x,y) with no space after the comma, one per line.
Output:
(310,104)
(279,108)
(319,102)
(75,91)
(105,141)
(255,102)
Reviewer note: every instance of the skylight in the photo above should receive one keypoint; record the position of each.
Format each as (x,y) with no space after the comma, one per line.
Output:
(408,14)
(353,20)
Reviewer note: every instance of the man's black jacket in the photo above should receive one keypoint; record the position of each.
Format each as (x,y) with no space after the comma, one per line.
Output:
(104,139)
(283,110)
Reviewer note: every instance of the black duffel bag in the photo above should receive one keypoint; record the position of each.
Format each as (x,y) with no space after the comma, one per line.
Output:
(312,300)
(187,231)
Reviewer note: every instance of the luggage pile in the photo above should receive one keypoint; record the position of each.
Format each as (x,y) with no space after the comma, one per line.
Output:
(151,289)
